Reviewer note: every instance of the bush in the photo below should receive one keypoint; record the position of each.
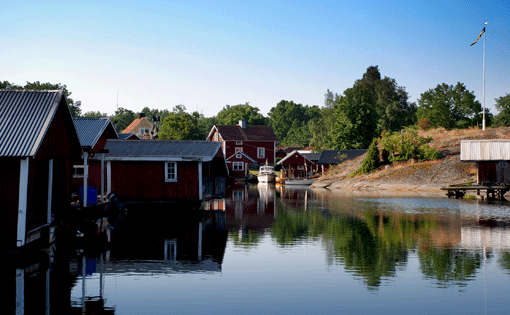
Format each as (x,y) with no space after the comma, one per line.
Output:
(371,161)
(423,124)
(407,144)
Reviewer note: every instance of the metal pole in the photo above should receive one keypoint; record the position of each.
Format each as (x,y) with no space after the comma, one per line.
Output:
(483,112)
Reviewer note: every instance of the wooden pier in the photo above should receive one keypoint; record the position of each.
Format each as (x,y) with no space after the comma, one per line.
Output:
(492,191)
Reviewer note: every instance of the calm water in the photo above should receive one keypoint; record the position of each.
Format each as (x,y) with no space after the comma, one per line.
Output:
(267,250)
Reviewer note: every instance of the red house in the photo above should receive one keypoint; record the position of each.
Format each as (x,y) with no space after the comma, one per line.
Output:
(38,142)
(257,142)
(163,170)
(238,164)
(299,165)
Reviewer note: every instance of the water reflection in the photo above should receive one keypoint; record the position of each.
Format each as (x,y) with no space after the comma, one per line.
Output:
(351,253)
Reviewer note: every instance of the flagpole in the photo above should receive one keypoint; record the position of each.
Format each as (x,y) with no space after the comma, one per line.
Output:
(483,111)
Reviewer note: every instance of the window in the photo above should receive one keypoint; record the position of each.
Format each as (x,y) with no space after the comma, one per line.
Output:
(239,156)
(239,149)
(78,171)
(239,143)
(170,171)
(261,153)
(300,167)
(238,166)
(216,137)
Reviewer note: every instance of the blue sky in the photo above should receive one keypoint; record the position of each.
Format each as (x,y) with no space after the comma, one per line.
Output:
(207,54)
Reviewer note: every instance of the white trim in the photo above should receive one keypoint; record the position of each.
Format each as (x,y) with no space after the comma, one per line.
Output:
(200,188)
(171,180)
(237,163)
(263,155)
(102,177)
(161,158)
(50,191)
(108,177)
(23,201)
(85,179)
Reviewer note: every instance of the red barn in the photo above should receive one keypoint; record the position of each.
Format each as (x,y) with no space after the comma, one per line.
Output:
(38,141)
(93,134)
(163,170)
(298,165)
(257,142)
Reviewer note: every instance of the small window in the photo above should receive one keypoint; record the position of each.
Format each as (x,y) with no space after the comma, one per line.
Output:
(261,153)
(216,137)
(239,149)
(300,167)
(239,143)
(171,171)
(238,166)
(78,171)
(239,156)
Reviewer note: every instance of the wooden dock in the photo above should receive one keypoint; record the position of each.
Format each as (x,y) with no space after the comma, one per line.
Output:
(492,191)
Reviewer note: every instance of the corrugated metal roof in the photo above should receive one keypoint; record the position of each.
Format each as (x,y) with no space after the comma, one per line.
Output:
(485,150)
(25,118)
(90,129)
(203,150)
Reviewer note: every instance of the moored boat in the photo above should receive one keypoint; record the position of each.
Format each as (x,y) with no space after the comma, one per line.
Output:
(305,182)
(266,174)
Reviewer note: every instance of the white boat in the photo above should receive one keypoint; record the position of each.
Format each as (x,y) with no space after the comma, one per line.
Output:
(266,174)
(305,181)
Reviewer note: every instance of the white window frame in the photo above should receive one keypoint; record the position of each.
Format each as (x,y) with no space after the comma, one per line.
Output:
(239,149)
(239,143)
(239,156)
(170,178)
(216,137)
(235,166)
(75,167)
(261,153)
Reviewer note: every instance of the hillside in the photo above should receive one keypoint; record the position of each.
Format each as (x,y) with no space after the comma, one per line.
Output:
(413,176)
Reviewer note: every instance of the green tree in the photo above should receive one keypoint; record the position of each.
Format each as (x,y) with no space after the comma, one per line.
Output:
(180,125)
(503,106)
(96,114)
(408,144)
(371,161)
(123,118)
(373,105)
(355,119)
(291,122)
(449,106)
(230,115)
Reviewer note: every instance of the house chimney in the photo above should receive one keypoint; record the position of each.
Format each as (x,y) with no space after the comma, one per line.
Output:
(242,123)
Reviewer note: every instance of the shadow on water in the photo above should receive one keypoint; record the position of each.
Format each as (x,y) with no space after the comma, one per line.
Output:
(149,239)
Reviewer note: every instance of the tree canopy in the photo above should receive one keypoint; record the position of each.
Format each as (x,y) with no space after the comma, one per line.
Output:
(449,106)
(371,106)
(230,115)
(503,106)
(180,125)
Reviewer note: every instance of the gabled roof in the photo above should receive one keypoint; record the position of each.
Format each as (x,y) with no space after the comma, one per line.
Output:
(338,156)
(243,154)
(90,129)
(124,136)
(291,154)
(161,150)
(132,126)
(250,133)
(25,118)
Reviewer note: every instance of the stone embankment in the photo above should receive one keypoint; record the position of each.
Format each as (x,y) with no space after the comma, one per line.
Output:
(412,176)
